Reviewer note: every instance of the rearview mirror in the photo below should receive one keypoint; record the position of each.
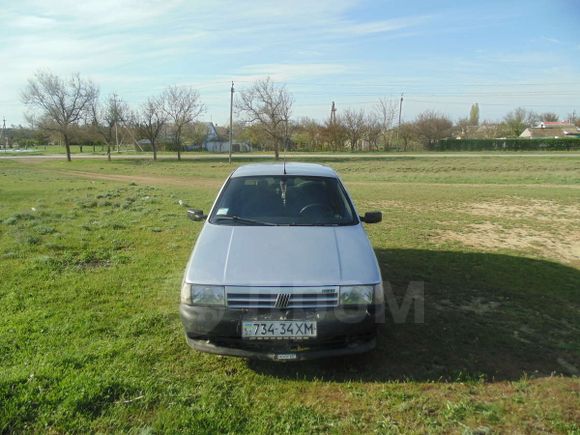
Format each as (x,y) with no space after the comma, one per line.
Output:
(195,215)
(372,217)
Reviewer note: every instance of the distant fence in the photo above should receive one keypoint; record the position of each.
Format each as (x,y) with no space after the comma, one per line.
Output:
(515,144)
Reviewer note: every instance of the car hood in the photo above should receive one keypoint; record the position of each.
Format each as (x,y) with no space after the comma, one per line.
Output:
(282,256)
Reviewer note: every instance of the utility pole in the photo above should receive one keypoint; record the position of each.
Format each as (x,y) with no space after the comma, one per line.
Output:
(285,137)
(4,134)
(117,138)
(400,109)
(333,113)
(116,109)
(231,121)
(400,113)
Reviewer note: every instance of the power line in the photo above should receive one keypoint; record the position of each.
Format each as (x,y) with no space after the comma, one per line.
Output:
(422,82)
(448,94)
(486,104)
(397,83)
(462,103)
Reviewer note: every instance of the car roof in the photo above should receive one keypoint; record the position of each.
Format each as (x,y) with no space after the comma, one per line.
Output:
(294,168)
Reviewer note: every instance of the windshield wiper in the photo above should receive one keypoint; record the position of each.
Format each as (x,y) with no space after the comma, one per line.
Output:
(243,220)
(315,225)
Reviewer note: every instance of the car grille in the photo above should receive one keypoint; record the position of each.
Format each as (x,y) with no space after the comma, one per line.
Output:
(282,298)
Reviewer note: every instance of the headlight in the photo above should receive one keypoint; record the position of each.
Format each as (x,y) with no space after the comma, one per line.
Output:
(194,294)
(356,295)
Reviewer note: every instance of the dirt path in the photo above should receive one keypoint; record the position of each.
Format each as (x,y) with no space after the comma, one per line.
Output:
(207,182)
(145,179)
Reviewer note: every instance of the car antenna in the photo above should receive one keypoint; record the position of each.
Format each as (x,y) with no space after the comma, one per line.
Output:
(285,145)
(284,159)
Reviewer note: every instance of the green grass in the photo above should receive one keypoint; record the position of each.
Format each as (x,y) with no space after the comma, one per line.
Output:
(91,257)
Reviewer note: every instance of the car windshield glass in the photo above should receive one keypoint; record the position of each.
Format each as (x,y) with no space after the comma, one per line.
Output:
(283,200)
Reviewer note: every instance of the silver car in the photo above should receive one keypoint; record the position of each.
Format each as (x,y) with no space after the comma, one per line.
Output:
(282,268)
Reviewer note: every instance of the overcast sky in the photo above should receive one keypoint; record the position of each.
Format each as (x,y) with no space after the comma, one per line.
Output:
(443,55)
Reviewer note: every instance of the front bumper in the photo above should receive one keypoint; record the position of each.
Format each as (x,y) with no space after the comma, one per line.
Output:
(340,331)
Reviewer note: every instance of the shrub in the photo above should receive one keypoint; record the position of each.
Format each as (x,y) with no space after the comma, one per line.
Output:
(512,144)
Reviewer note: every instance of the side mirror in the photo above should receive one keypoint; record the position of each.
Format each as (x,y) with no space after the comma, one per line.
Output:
(195,215)
(372,217)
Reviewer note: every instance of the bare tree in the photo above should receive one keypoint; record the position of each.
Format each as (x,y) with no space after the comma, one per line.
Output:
(62,103)
(252,134)
(182,106)
(311,130)
(107,117)
(198,132)
(151,120)
(373,130)
(354,123)
(550,117)
(516,121)
(407,135)
(463,128)
(533,118)
(118,113)
(335,133)
(432,126)
(386,110)
(268,106)
(489,130)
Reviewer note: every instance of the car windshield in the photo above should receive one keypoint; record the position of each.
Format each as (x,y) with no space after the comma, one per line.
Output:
(283,200)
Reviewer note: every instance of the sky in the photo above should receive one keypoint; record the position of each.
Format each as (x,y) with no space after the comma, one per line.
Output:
(443,55)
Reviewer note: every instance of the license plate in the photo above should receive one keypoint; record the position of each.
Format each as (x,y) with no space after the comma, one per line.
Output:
(286,356)
(279,329)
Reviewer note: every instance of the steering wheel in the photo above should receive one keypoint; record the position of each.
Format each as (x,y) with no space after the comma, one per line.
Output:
(313,206)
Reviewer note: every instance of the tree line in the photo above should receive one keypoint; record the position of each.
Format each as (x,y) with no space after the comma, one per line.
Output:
(66,106)
(72,110)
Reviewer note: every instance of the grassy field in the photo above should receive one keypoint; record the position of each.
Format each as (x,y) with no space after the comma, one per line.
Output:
(91,258)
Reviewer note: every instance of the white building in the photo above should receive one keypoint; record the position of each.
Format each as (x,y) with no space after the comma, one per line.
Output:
(212,142)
